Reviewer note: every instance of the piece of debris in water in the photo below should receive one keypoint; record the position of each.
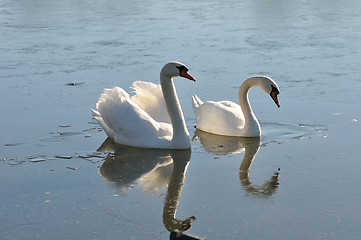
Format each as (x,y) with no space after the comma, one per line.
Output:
(35,160)
(64,157)
(74,168)
(74,84)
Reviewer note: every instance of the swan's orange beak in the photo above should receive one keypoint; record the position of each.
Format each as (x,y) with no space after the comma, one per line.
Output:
(185,74)
(275,98)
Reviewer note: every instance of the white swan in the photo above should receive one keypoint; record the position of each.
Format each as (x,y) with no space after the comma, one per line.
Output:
(230,119)
(147,119)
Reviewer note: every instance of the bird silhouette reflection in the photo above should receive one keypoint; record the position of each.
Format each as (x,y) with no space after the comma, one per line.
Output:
(152,169)
(224,145)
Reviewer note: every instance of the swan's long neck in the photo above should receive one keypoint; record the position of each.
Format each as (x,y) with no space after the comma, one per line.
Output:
(251,126)
(180,132)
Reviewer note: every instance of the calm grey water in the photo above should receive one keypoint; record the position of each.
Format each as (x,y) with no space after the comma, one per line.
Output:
(60,179)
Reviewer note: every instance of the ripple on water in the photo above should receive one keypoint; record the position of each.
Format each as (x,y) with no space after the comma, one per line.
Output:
(280,132)
(272,132)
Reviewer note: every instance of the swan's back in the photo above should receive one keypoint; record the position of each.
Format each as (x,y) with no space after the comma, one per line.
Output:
(222,118)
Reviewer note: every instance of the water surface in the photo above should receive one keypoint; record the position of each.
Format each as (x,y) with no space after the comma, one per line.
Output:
(60,178)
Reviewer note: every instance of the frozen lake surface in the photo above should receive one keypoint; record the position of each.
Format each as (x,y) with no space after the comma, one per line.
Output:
(61,179)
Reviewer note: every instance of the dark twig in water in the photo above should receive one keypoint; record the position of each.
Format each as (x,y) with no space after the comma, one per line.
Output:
(75,84)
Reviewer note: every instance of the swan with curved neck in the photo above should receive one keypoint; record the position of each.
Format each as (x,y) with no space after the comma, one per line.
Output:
(230,119)
(152,118)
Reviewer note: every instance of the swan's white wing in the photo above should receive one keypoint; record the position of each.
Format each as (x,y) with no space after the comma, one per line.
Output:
(223,118)
(149,97)
(130,124)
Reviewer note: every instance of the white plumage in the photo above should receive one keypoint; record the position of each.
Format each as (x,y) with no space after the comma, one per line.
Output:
(152,118)
(230,119)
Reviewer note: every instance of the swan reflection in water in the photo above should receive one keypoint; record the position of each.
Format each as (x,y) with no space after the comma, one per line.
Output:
(224,145)
(152,169)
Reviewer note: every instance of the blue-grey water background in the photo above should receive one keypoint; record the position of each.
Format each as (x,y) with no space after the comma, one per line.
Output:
(56,57)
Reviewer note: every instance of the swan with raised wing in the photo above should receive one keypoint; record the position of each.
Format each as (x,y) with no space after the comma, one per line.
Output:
(230,119)
(152,118)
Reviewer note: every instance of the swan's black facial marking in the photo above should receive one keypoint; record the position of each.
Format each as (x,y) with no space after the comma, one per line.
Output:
(274,89)
(182,68)
(183,72)
(273,94)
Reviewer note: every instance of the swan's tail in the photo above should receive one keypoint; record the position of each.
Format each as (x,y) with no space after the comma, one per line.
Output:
(196,102)
(99,119)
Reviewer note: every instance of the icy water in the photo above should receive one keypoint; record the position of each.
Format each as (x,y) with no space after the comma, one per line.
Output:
(61,179)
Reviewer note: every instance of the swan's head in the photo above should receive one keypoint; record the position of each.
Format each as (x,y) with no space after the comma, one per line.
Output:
(274,94)
(176,69)
(270,87)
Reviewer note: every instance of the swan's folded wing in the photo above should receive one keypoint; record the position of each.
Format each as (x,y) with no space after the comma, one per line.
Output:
(149,97)
(130,123)
(222,117)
